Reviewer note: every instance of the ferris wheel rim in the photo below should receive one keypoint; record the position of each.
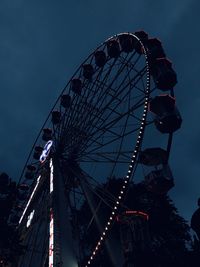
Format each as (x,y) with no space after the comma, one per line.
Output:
(62,91)
(143,121)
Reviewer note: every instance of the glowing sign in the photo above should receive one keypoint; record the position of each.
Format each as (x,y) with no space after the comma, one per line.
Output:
(51,239)
(29,201)
(46,151)
(30,217)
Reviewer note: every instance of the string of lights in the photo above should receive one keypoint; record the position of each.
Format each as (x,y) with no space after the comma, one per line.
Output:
(131,165)
(51,224)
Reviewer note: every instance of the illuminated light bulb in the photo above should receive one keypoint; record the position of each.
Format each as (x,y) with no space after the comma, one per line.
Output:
(117,202)
(99,243)
(111,218)
(125,182)
(122,192)
(113,213)
(106,228)
(101,238)
(103,233)
(94,253)
(119,197)
(131,166)
(129,171)
(88,262)
(108,223)
(91,257)
(115,208)
(124,186)
(127,176)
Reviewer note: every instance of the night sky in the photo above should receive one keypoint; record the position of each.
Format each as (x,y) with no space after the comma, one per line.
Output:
(43,42)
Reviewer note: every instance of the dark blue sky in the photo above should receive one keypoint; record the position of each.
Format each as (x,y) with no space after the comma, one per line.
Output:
(42,43)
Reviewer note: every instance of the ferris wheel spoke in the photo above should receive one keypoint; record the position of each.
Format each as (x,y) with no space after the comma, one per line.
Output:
(92,114)
(104,158)
(109,125)
(117,119)
(81,98)
(105,78)
(105,197)
(111,141)
(107,87)
(105,108)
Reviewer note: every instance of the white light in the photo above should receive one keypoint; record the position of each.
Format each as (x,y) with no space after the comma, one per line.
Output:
(117,202)
(103,233)
(106,228)
(101,238)
(51,176)
(30,217)
(46,151)
(27,205)
(122,192)
(129,171)
(108,223)
(124,186)
(127,176)
(111,217)
(125,182)
(51,239)
(115,208)
(113,213)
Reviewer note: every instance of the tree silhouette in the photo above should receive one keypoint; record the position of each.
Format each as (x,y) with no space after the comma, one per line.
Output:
(169,232)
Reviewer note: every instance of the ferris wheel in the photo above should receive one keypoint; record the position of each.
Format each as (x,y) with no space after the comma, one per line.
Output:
(117,112)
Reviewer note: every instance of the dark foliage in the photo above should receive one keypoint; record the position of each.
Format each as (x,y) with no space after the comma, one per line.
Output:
(169,232)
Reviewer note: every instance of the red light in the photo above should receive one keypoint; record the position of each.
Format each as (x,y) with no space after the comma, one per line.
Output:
(136,212)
